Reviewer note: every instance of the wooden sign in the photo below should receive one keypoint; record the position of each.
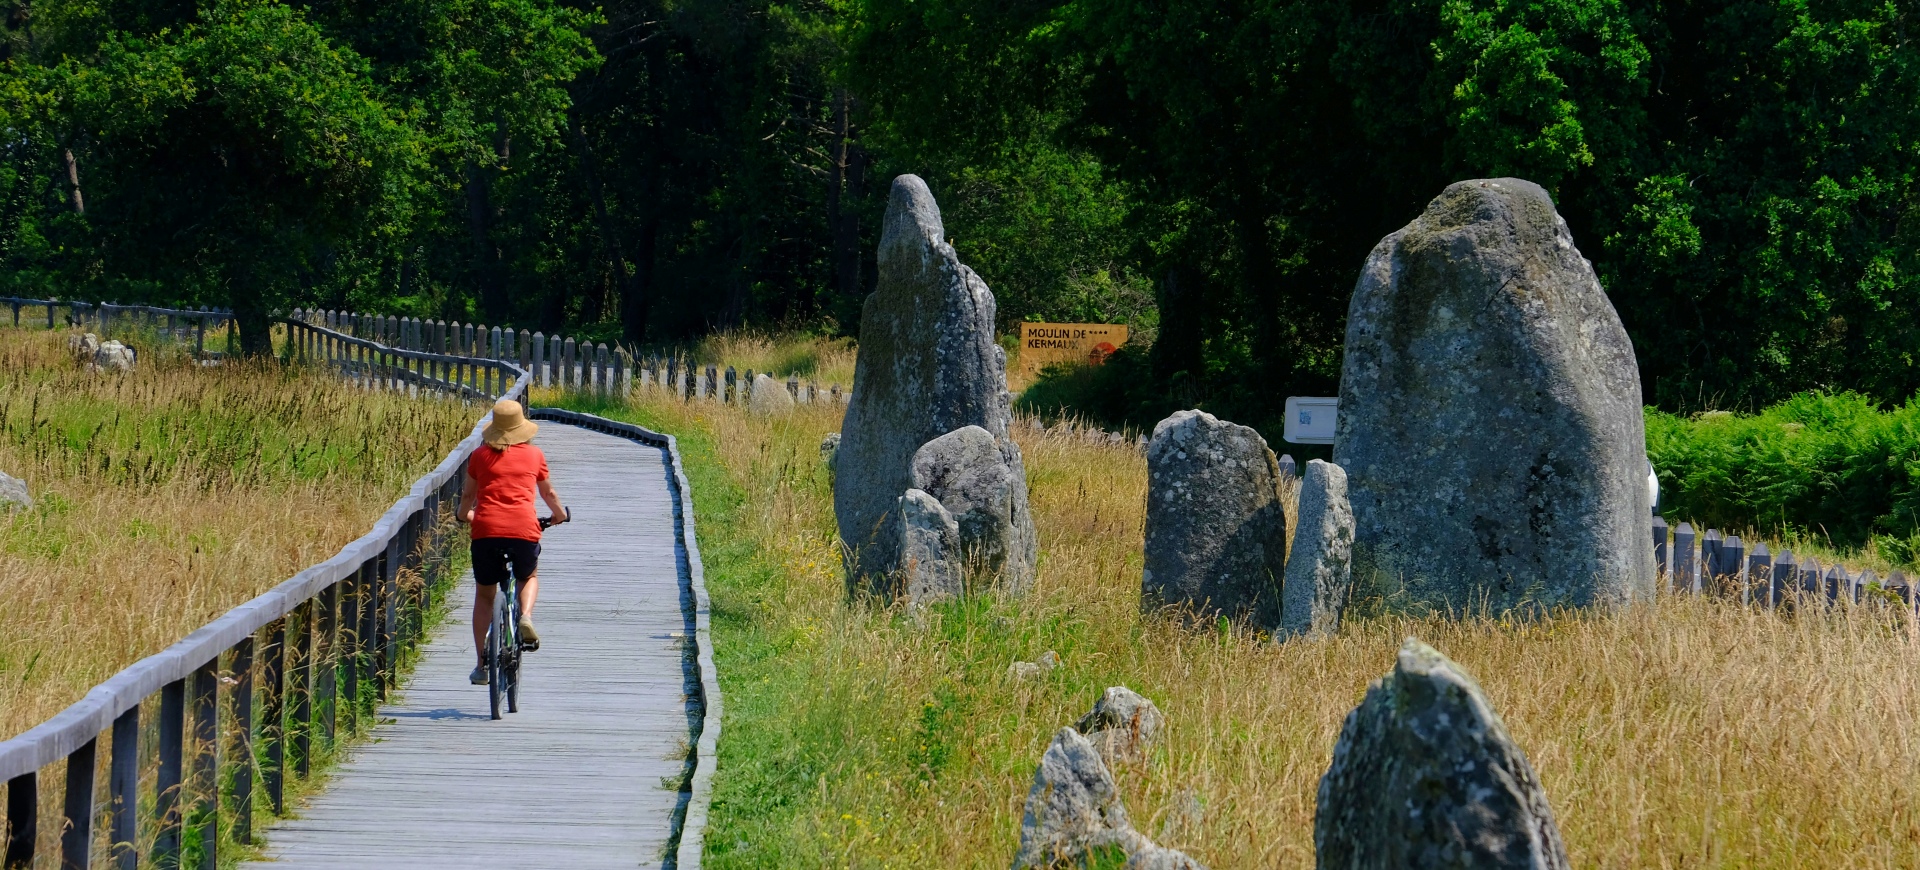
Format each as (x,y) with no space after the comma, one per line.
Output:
(1045,344)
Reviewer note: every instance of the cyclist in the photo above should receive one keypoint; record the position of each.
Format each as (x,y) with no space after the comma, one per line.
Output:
(497,500)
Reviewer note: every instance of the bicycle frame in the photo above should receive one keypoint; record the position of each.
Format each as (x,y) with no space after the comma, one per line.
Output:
(503,648)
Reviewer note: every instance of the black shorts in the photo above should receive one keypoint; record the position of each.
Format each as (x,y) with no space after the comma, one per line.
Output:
(492,555)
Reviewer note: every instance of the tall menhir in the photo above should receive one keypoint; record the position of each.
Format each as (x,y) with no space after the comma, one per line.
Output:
(928,365)
(1490,418)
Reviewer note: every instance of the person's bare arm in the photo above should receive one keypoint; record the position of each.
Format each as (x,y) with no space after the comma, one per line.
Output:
(469,497)
(552,499)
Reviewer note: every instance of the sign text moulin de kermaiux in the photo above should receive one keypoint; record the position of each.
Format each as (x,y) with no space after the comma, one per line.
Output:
(1045,344)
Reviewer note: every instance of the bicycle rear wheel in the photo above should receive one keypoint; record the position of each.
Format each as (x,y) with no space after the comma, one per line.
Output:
(513,682)
(495,674)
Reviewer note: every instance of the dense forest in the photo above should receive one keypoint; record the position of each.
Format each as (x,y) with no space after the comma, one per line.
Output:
(1213,172)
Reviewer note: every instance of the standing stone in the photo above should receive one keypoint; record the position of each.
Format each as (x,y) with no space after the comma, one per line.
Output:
(1216,538)
(929,549)
(113,357)
(1319,573)
(1490,419)
(769,397)
(970,474)
(1424,775)
(830,450)
(1122,726)
(13,493)
(1073,808)
(83,347)
(928,365)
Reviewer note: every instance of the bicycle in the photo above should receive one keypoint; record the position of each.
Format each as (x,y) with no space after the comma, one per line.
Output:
(503,639)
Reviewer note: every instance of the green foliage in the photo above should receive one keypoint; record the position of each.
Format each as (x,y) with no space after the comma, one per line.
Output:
(1833,465)
(1211,172)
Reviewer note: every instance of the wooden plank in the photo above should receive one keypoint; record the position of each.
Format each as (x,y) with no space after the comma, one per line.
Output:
(607,705)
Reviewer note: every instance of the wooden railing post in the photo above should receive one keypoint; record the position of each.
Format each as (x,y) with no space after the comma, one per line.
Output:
(273,719)
(327,680)
(23,819)
(76,837)
(240,749)
(166,796)
(123,784)
(347,635)
(204,707)
(388,616)
(300,668)
(371,595)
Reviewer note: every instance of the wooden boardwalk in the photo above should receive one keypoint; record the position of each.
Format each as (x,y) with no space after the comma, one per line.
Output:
(589,774)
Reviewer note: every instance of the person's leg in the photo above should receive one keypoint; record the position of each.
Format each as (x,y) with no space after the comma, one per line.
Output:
(489,571)
(528,591)
(482,619)
(526,566)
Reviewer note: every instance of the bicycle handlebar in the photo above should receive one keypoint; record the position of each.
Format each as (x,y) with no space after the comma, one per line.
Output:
(549,522)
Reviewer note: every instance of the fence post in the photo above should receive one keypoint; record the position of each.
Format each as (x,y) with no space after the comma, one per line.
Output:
(1660,545)
(568,378)
(1709,559)
(123,787)
(166,789)
(1733,560)
(1684,556)
(76,838)
(240,751)
(205,707)
(539,361)
(300,667)
(1811,574)
(1760,576)
(1784,577)
(23,819)
(620,386)
(1836,585)
(601,369)
(273,694)
(526,350)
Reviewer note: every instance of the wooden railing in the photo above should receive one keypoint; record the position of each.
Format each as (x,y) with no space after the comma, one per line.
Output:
(310,649)
(565,362)
(103,316)
(379,366)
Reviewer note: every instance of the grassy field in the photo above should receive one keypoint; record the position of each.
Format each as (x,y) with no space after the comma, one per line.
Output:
(168,495)
(1684,733)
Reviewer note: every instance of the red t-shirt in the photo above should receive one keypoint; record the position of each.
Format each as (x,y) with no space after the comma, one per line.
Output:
(506,482)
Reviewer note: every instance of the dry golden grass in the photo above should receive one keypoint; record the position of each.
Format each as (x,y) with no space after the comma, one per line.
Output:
(825,360)
(1684,733)
(168,495)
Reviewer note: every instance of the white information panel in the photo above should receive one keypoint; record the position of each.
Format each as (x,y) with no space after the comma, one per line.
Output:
(1310,419)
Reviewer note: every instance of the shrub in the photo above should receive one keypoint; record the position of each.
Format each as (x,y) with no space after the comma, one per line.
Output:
(1830,464)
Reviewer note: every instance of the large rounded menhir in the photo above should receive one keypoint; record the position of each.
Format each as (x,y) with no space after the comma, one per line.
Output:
(1490,417)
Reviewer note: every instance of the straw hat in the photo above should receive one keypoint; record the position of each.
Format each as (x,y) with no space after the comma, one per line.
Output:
(510,425)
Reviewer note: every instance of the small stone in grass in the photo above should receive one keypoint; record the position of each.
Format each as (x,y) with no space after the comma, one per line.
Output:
(1123,725)
(13,493)
(1034,670)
